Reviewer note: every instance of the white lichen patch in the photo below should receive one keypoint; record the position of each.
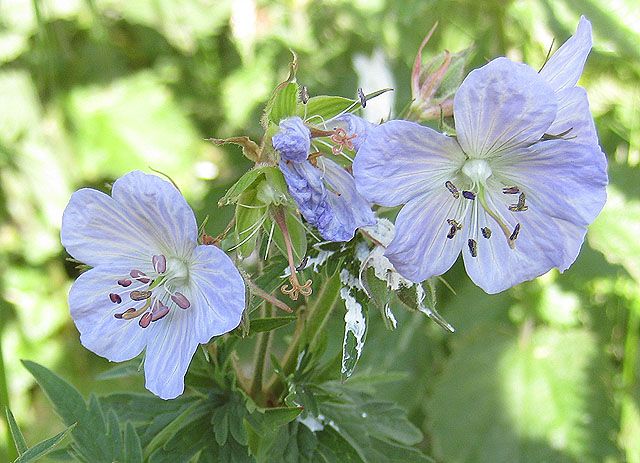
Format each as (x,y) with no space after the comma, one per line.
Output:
(314,424)
(355,327)
(389,314)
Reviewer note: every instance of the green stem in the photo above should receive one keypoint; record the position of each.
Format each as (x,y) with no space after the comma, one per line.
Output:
(630,351)
(260,358)
(11,452)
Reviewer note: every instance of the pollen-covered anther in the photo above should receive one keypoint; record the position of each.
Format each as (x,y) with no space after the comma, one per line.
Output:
(473,247)
(140,276)
(520,206)
(145,320)
(515,233)
(455,226)
(140,295)
(341,139)
(115,298)
(511,190)
(486,232)
(181,300)
(452,188)
(159,263)
(124,282)
(469,195)
(122,315)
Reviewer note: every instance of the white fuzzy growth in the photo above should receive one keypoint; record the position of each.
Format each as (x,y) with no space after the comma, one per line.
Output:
(354,323)
(383,231)
(349,280)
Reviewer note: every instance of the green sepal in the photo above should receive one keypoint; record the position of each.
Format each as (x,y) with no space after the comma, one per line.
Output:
(245,182)
(250,149)
(279,103)
(250,214)
(284,103)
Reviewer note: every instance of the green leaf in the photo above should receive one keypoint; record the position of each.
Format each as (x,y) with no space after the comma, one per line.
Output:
(132,445)
(324,301)
(259,325)
(284,103)
(41,449)
(123,370)
(250,149)
(16,434)
(247,180)
(538,396)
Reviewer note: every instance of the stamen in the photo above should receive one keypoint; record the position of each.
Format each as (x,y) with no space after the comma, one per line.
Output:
(521,204)
(455,226)
(511,190)
(140,276)
(452,188)
(341,139)
(124,282)
(120,316)
(132,313)
(469,195)
(140,295)
(304,94)
(115,298)
(159,263)
(486,232)
(303,264)
(473,247)
(159,311)
(516,232)
(363,98)
(145,320)
(181,300)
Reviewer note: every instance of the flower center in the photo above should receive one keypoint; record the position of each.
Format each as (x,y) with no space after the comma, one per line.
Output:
(152,295)
(477,170)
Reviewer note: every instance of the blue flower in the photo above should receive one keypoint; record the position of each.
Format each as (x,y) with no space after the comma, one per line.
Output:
(151,286)
(514,202)
(323,190)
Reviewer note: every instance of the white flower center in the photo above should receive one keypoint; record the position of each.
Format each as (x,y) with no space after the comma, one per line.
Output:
(477,170)
(177,272)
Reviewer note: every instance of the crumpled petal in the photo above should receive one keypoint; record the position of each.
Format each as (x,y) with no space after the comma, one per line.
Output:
(574,117)
(145,216)
(350,210)
(93,313)
(500,106)
(354,125)
(420,248)
(401,160)
(293,141)
(565,66)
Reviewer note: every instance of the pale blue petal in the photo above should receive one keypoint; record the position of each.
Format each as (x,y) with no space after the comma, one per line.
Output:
(420,248)
(145,216)
(354,125)
(293,141)
(542,244)
(349,209)
(219,293)
(500,106)
(93,313)
(401,160)
(574,117)
(168,219)
(562,179)
(565,66)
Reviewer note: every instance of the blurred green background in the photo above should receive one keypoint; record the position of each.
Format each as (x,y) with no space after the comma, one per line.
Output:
(90,89)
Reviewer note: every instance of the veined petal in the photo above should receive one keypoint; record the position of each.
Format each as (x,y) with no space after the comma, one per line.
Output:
(145,216)
(349,209)
(218,291)
(542,244)
(354,125)
(401,160)
(93,313)
(574,117)
(562,179)
(565,66)
(293,141)
(168,219)
(500,106)
(420,248)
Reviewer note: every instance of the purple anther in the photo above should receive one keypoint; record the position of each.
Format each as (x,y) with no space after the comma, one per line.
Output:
(181,300)
(362,97)
(145,320)
(120,316)
(140,295)
(115,298)
(159,263)
(469,195)
(140,276)
(159,310)
(516,232)
(124,282)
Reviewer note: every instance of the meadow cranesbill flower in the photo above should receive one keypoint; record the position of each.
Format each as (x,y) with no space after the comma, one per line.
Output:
(324,191)
(151,286)
(507,193)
